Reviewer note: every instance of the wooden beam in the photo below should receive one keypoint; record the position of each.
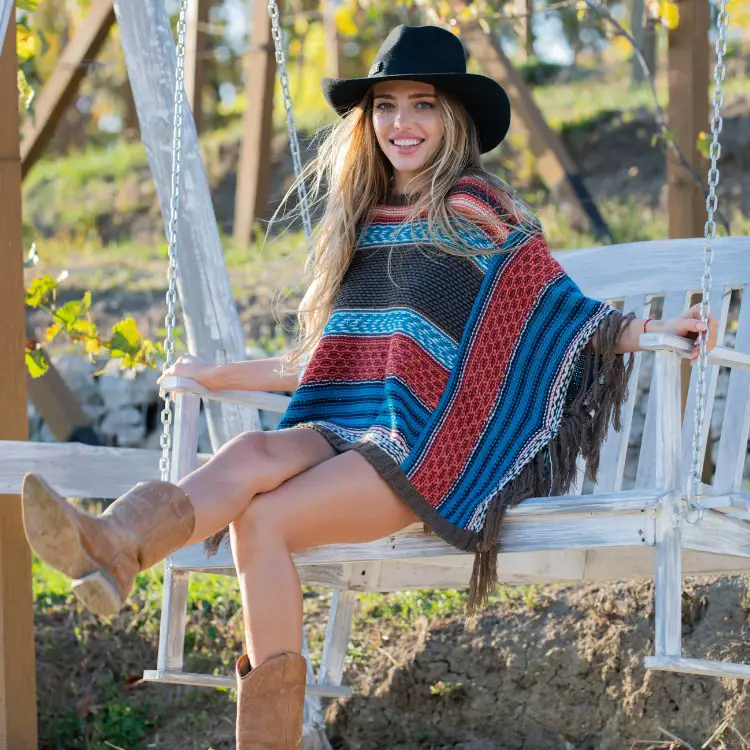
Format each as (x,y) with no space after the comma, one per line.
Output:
(688,116)
(553,163)
(211,321)
(17,669)
(195,47)
(58,92)
(79,470)
(254,169)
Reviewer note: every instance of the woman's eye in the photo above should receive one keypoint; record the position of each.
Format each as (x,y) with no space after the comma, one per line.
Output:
(429,105)
(382,105)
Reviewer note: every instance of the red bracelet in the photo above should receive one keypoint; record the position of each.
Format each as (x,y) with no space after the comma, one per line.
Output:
(646,323)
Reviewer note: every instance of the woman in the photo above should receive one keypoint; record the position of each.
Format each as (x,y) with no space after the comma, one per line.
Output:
(453,370)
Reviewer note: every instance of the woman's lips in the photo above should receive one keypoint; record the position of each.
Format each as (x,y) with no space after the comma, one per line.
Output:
(404,149)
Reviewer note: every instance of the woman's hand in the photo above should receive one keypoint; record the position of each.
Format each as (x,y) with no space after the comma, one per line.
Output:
(690,326)
(190,366)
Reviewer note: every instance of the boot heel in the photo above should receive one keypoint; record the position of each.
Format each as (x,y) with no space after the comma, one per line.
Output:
(98,593)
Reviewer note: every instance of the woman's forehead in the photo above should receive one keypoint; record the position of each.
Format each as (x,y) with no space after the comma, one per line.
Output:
(402,88)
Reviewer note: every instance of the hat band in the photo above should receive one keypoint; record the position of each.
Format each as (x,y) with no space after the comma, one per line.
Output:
(378,70)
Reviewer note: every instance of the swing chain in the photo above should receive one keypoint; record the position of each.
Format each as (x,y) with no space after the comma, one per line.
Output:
(165,441)
(273,12)
(709,232)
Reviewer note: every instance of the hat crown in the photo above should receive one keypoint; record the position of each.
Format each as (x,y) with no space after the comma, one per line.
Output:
(419,50)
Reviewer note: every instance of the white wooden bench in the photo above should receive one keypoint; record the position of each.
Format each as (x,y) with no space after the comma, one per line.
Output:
(609,534)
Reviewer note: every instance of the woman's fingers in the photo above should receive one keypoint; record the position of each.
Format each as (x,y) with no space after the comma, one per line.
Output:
(692,323)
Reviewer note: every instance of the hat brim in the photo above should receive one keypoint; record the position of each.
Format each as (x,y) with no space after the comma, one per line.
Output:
(485,99)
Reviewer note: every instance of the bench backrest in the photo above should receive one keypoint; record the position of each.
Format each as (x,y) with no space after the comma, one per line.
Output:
(661,279)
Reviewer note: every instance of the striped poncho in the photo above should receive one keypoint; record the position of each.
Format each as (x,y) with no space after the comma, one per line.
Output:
(466,381)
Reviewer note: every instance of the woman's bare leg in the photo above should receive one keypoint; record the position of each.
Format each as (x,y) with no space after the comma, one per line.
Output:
(342,500)
(251,463)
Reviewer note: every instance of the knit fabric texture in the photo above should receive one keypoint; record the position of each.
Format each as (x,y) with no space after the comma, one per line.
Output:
(453,375)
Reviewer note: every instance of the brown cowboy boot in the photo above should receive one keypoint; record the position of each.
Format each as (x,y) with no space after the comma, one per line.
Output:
(103,554)
(270,700)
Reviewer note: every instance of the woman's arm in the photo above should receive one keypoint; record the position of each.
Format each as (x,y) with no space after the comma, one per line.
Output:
(632,333)
(252,375)
(688,325)
(249,375)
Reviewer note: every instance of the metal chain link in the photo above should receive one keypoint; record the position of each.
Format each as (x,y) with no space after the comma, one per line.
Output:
(273,12)
(709,232)
(165,441)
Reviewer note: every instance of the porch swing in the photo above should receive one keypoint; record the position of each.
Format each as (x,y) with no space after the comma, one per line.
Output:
(665,524)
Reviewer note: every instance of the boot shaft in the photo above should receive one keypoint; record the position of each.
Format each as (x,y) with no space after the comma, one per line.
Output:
(270,702)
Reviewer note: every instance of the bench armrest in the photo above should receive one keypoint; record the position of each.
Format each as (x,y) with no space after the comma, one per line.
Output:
(257,399)
(720,355)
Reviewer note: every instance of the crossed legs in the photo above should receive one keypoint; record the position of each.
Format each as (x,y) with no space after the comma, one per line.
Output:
(341,500)
(250,464)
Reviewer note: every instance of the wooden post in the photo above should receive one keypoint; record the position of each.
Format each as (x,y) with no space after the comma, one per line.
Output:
(636,29)
(643,29)
(195,47)
(211,321)
(524,9)
(553,163)
(332,39)
(688,116)
(254,169)
(17,669)
(58,92)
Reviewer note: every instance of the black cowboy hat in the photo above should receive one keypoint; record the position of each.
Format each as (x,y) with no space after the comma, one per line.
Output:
(432,55)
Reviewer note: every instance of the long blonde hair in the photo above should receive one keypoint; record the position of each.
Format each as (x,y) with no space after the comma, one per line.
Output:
(351,176)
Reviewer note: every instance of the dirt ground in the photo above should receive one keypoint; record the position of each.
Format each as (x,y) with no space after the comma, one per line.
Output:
(561,669)
(566,674)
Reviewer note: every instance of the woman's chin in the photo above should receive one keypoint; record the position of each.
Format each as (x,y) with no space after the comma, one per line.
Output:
(407,163)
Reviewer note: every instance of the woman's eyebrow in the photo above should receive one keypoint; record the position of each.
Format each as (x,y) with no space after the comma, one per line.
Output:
(411,96)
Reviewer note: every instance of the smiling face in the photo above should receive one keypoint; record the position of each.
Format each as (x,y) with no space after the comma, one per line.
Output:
(408,125)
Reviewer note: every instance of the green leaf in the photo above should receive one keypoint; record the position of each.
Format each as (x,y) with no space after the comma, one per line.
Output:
(25,92)
(126,339)
(84,328)
(72,312)
(40,291)
(36,362)
(28,5)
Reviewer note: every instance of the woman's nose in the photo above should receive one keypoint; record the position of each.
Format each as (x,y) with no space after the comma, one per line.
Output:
(402,116)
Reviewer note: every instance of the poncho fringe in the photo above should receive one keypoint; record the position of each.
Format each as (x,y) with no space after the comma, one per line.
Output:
(582,430)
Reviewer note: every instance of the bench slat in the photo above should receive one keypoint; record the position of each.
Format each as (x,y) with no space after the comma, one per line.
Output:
(735,426)
(615,448)
(674,304)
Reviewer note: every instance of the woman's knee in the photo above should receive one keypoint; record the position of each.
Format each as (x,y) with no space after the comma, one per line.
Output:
(249,452)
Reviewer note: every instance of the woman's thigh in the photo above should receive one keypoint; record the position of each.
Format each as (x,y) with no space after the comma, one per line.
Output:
(340,501)
(265,459)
